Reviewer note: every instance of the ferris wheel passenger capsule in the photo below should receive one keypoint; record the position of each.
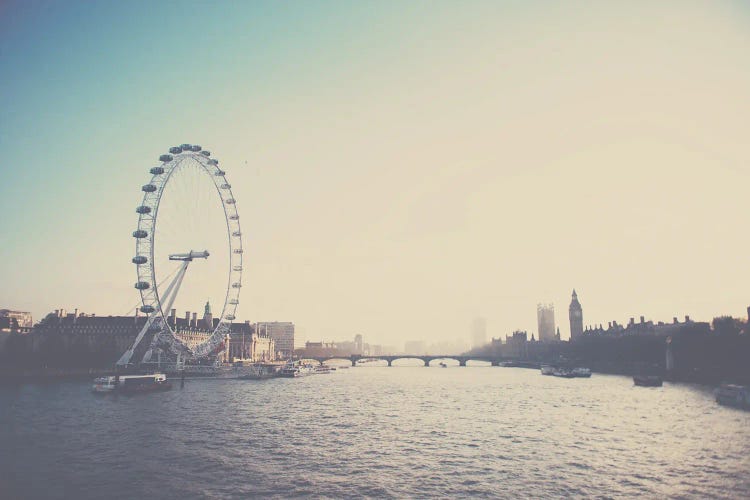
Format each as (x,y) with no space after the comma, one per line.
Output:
(229,201)
(147,309)
(226,186)
(143,209)
(165,158)
(220,173)
(236,285)
(229,317)
(185,147)
(157,170)
(175,150)
(237,250)
(234,302)
(142,285)
(237,268)
(234,217)
(206,153)
(237,233)
(140,259)
(195,148)
(140,233)
(148,188)
(213,161)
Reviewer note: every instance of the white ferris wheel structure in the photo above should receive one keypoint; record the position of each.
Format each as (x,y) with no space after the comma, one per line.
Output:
(158,334)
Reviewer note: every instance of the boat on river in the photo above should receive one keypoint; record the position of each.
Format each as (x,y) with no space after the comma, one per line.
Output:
(132,384)
(734,395)
(561,371)
(296,370)
(647,380)
(548,370)
(258,372)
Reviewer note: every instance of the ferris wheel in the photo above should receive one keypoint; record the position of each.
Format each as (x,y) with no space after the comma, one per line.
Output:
(159,333)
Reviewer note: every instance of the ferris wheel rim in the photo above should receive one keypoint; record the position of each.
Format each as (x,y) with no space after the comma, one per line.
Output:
(146,242)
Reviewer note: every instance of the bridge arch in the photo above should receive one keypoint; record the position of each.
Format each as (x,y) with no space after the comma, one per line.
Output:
(430,359)
(342,359)
(365,360)
(393,359)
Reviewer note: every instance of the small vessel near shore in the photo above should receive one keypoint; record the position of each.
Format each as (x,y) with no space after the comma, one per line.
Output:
(132,384)
(647,380)
(258,372)
(734,395)
(560,371)
(566,371)
(295,370)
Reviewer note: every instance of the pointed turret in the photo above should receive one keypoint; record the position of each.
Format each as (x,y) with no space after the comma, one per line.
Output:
(208,319)
(575,314)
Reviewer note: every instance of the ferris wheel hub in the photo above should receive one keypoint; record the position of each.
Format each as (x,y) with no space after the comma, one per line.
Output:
(190,255)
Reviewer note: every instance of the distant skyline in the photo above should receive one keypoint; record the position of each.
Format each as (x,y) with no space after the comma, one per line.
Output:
(400,167)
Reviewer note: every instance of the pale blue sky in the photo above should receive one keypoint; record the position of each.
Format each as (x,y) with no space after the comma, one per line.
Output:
(400,167)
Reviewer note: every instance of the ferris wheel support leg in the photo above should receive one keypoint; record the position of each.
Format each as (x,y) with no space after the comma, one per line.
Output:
(170,295)
(125,358)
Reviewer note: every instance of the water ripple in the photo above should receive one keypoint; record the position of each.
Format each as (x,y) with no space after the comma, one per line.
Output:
(377,433)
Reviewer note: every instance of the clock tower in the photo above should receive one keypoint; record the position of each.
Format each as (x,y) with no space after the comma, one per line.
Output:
(575,313)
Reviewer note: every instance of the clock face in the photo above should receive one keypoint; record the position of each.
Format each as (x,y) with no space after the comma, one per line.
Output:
(576,314)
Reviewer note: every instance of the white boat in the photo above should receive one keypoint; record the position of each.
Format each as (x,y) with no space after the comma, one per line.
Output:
(297,370)
(560,371)
(548,370)
(132,384)
(582,372)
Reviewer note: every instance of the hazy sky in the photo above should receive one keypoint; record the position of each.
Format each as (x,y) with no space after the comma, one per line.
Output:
(400,167)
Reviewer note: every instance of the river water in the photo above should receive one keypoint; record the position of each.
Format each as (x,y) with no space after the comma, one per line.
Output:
(377,432)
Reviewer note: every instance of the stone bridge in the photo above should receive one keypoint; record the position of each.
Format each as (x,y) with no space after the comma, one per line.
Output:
(462,360)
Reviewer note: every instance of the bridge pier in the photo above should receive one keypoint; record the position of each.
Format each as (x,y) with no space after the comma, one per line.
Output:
(495,362)
(461,362)
(390,362)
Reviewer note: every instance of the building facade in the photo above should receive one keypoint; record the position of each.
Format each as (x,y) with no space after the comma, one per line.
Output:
(575,314)
(15,321)
(545,316)
(282,334)
(478,332)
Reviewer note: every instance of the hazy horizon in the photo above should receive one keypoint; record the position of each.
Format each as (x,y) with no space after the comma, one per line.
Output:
(400,168)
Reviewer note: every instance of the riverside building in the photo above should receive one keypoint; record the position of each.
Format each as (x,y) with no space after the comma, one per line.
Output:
(545,315)
(282,334)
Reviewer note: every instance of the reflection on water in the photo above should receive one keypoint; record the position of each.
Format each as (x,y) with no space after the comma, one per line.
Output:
(375,431)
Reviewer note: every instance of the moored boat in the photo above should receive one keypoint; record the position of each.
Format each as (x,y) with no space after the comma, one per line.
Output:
(647,380)
(563,372)
(581,372)
(258,372)
(548,370)
(132,384)
(734,395)
(296,370)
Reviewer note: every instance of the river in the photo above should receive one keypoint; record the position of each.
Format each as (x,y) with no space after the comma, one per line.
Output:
(377,432)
